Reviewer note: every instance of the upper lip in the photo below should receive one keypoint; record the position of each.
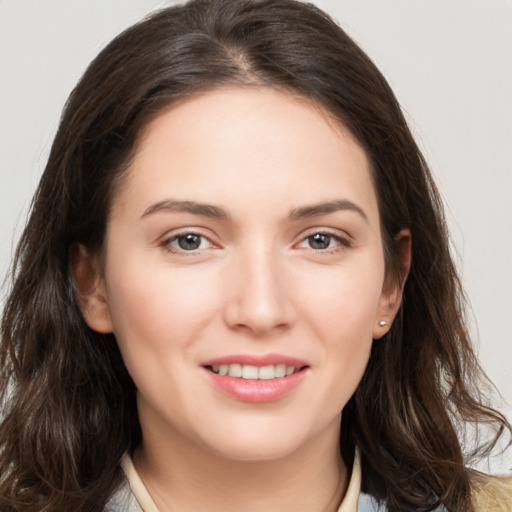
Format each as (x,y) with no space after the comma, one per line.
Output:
(256,360)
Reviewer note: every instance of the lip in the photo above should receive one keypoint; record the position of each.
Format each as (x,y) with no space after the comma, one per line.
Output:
(256,360)
(256,390)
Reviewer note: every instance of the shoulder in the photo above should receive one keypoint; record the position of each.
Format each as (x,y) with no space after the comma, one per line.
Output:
(492,493)
(123,500)
(368,504)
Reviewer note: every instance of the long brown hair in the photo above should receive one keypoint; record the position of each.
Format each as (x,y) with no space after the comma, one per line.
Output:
(69,409)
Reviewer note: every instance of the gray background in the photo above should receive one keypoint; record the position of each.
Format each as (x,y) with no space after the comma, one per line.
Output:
(449,62)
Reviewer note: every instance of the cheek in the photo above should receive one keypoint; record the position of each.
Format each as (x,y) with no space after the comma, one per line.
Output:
(158,318)
(157,309)
(343,303)
(342,309)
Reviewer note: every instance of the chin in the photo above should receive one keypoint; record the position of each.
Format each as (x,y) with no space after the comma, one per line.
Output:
(259,439)
(255,450)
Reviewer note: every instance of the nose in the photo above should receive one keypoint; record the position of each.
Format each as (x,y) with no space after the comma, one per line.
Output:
(260,301)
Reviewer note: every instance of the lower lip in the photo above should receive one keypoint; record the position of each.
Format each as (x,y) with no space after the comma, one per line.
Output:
(256,390)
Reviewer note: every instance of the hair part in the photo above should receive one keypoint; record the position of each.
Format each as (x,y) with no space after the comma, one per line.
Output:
(68,401)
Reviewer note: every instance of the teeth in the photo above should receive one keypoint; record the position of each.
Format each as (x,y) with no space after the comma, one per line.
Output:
(248,371)
(267,372)
(281,370)
(235,370)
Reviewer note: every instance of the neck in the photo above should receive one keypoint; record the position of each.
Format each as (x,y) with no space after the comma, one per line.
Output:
(181,476)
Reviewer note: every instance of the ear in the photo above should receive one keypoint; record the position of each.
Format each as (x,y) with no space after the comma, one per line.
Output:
(90,289)
(393,286)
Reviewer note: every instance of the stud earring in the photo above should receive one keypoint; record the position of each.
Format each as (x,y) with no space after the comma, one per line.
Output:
(382,323)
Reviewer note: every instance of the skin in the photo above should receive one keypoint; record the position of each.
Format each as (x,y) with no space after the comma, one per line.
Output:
(255,285)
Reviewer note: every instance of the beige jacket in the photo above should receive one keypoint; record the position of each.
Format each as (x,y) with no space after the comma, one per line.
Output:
(492,493)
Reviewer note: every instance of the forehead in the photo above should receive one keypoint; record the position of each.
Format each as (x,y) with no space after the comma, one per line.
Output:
(235,142)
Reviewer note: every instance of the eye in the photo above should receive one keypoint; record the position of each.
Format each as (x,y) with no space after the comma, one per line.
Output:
(187,242)
(323,241)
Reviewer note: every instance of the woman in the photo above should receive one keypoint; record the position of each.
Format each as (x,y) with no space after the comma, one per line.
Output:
(234,290)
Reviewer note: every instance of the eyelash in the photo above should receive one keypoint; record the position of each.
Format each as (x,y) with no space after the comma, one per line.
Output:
(341,242)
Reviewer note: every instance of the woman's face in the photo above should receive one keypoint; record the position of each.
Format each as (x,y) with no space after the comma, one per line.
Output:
(245,240)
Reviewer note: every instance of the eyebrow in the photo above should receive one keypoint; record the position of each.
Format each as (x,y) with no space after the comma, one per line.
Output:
(215,212)
(206,210)
(326,208)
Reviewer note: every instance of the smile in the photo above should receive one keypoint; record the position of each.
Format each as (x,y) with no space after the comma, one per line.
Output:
(252,378)
(248,371)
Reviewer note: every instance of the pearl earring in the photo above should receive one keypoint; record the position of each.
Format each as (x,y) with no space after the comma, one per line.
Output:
(382,323)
